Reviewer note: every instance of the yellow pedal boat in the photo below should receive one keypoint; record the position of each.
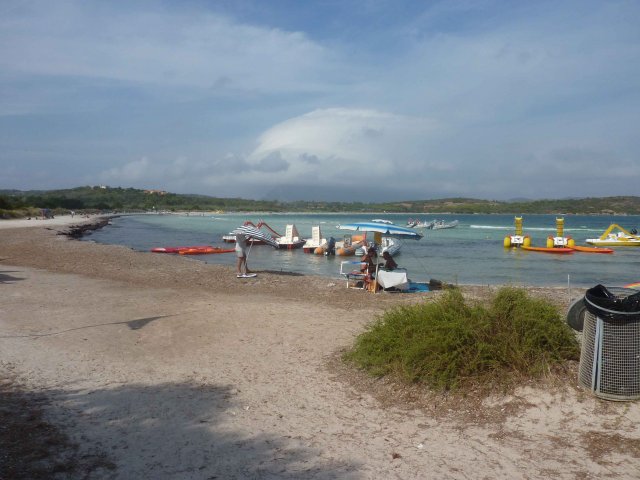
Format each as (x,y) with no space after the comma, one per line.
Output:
(613,238)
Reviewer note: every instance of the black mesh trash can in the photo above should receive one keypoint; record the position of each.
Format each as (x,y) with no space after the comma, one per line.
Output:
(610,355)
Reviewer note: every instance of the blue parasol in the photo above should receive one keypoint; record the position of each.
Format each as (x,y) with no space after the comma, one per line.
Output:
(385,229)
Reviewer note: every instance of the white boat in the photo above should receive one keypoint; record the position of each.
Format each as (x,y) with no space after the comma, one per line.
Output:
(316,240)
(388,244)
(291,239)
(381,220)
(621,238)
(418,224)
(391,245)
(425,224)
(440,224)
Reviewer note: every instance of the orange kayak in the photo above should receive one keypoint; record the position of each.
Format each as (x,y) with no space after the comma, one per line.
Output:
(205,250)
(176,249)
(592,249)
(560,250)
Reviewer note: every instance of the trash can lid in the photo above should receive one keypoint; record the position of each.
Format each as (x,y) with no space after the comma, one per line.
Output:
(615,303)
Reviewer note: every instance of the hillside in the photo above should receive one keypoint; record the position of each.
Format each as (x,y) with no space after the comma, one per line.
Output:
(131,199)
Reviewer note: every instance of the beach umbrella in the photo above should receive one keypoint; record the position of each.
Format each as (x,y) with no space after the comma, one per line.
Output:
(383,228)
(253,232)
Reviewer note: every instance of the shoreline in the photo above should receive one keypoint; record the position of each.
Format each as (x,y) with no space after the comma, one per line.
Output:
(100,221)
(156,364)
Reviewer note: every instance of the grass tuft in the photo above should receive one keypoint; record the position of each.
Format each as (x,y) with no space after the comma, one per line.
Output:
(446,343)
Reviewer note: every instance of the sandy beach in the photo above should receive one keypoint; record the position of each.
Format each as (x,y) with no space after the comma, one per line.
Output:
(164,367)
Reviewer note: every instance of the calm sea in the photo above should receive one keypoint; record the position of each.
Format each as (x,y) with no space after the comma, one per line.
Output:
(471,253)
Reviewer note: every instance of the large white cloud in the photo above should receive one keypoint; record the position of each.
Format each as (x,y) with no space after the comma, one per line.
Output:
(341,145)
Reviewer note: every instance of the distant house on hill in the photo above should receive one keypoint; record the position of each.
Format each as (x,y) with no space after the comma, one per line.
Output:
(155,192)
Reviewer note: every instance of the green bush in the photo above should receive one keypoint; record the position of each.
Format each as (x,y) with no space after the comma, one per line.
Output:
(19,213)
(447,342)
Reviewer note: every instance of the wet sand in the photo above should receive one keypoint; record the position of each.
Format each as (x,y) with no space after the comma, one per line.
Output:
(165,367)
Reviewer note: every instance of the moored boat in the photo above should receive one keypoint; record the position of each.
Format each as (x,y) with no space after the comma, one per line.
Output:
(316,241)
(391,245)
(291,239)
(613,238)
(349,245)
(387,244)
(411,223)
(441,224)
(428,225)
(328,248)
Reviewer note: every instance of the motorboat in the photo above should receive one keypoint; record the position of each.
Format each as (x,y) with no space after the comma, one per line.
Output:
(381,220)
(411,223)
(291,239)
(616,236)
(316,240)
(387,244)
(391,245)
(349,245)
(441,224)
(428,225)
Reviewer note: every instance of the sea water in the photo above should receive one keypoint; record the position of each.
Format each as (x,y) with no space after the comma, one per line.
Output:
(471,253)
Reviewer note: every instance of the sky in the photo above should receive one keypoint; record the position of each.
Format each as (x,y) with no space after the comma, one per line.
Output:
(345,100)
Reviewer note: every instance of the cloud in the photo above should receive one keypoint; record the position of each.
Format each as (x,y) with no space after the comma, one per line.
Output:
(181,49)
(272,163)
(490,99)
(341,144)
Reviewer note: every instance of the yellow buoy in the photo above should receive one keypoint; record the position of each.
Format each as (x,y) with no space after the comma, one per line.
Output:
(527,241)
(507,241)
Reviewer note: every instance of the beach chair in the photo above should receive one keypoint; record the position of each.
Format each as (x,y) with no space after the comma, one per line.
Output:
(352,271)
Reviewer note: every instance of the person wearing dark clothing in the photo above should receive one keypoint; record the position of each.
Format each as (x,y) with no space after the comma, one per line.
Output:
(389,262)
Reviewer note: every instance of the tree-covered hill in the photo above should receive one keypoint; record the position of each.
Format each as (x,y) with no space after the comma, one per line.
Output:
(131,199)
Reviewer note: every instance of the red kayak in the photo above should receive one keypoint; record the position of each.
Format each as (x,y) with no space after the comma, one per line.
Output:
(175,249)
(205,250)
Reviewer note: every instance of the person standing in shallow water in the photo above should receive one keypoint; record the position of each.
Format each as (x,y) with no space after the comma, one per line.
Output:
(241,253)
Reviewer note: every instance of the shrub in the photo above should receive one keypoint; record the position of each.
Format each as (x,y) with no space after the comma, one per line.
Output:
(446,343)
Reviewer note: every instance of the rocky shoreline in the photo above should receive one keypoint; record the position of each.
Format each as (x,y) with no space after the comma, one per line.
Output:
(79,231)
